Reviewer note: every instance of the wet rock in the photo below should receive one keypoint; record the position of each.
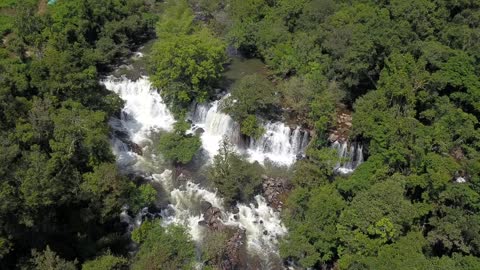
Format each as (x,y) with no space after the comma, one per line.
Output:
(199,131)
(137,149)
(300,156)
(273,191)
(204,206)
(233,251)
(124,137)
(121,134)
(181,177)
(212,218)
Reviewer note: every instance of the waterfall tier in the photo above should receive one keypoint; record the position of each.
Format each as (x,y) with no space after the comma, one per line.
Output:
(279,144)
(143,116)
(351,156)
(215,125)
(144,112)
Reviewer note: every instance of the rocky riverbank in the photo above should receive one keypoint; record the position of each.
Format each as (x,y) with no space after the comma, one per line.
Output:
(275,191)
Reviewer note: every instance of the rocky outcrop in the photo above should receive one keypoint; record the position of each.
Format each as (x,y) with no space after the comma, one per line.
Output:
(274,191)
(125,138)
(199,131)
(212,217)
(343,126)
(137,149)
(234,252)
(233,258)
(457,153)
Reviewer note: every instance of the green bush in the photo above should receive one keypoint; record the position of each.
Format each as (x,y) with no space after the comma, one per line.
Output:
(179,148)
(163,248)
(235,178)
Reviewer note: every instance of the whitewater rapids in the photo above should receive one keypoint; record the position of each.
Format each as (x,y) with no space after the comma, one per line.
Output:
(280,144)
(145,115)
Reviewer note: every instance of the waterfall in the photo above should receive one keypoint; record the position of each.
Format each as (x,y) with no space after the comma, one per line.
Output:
(350,155)
(262,224)
(144,112)
(143,116)
(279,144)
(215,125)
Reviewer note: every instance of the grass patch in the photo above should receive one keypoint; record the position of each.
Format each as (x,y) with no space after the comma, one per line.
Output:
(6,24)
(7,14)
(7,3)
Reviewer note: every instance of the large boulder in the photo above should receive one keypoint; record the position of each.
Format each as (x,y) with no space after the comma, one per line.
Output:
(234,251)
(212,216)
(274,190)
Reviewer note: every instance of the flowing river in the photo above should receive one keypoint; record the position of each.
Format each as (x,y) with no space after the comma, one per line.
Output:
(145,117)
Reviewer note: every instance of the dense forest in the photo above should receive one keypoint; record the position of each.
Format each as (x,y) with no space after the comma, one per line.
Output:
(407,73)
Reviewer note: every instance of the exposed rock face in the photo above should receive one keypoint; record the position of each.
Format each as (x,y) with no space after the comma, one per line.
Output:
(342,127)
(457,153)
(137,149)
(211,217)
(125,138)
(274,189)
(199,131)
(233,251)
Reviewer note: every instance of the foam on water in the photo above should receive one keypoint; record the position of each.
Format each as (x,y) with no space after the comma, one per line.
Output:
(144,110)
(279,144)
(216,125)
(351,156)
(143,115)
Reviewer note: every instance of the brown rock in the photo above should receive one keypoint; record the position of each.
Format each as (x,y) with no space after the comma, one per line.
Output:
(457,153)
(233,251)
(273,189)
(136,148)
(212,218)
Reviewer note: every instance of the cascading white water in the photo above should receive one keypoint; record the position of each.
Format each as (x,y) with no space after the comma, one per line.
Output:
(279,144)
(145,114)
(262,223)
(215,125)
(144,110)
(350,157)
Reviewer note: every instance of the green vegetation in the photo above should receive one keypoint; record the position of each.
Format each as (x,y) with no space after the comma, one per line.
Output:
(177,146)
(60,190)
(106,262)
(213,248)
(409,70)
(234,177)
(8,10)
(252,95)
(163,248)
(49,260)
(187,60)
